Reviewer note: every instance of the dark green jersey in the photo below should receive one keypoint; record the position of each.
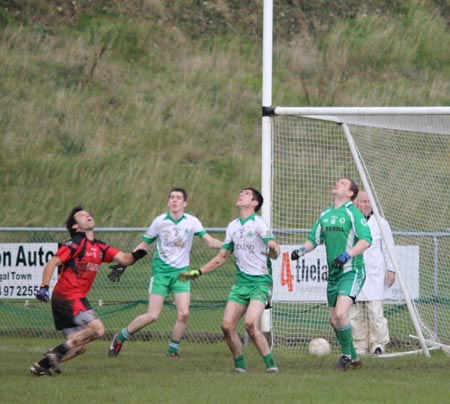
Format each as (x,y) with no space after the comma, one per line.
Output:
(340,229)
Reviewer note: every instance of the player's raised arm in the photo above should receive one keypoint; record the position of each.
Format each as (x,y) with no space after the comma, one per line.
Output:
(212,242)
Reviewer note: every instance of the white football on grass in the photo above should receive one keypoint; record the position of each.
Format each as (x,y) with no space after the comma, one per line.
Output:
(319,347)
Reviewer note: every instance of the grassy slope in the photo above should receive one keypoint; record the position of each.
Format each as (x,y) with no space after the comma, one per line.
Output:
(111,103)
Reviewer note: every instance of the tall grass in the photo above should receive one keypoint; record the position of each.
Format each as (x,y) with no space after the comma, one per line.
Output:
(135,98)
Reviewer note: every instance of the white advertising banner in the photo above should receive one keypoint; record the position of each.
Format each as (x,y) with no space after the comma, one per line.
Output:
(21,267)
(305,280)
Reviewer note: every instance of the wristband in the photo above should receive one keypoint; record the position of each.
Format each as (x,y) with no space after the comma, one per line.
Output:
(44,286)
(138,254)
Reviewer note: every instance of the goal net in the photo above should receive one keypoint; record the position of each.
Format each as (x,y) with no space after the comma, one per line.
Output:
(401,157)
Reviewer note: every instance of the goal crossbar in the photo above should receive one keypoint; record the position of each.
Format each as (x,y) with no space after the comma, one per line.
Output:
(362,110)
(402,118)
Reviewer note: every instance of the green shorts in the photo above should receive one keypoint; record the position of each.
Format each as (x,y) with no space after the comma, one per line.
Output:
(348,284)
(165,285)
(244,294)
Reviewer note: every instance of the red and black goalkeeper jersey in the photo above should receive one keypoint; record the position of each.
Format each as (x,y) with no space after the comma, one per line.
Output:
(81,259)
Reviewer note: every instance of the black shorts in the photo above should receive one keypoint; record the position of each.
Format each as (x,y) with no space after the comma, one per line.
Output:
(72,313)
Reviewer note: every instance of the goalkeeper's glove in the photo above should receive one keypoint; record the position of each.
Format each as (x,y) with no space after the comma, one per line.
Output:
(43,294)
(189,275)
(339,262)
(116,272)
(299,252)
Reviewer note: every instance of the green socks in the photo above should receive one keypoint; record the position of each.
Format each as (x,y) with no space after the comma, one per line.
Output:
(344,336)
(124,335)
(174,346)
(240,362)
(354,354)
(269,361)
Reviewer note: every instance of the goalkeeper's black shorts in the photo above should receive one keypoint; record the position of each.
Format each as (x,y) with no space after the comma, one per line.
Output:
(72,313)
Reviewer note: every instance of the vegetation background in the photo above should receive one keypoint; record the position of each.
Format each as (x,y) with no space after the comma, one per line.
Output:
(111,103)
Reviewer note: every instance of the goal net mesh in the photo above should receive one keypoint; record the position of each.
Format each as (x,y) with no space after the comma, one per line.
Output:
(405,159)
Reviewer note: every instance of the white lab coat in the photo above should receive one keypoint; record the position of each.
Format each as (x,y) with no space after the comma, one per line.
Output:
(369,326)
(377,262)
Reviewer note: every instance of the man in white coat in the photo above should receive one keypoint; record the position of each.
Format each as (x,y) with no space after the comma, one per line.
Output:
(370,327)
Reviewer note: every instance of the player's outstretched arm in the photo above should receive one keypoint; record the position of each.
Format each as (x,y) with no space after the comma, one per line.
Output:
(302,250)
(124,260)
(127,259)
(216,262)
(212,242)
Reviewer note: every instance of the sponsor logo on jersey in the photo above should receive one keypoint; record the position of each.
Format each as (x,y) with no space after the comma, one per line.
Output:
(333,228)
(244,247)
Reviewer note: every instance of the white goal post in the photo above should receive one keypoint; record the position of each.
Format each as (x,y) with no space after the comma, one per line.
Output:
(400,157)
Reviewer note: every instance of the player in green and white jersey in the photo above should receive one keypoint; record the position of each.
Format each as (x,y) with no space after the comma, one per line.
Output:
(253,245)
(173,233)
(346,235)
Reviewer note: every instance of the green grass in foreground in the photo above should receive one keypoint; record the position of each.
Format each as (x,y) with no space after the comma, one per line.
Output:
(143,374)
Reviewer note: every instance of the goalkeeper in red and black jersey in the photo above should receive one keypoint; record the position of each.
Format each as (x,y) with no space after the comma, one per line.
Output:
(79,258)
